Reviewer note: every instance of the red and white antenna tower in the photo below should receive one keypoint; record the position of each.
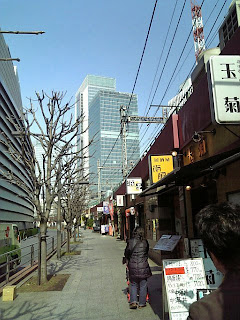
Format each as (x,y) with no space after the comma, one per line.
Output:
(197,23)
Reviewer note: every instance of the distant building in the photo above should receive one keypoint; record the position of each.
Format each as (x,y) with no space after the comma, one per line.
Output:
(15,205)
(99,102)
(87,91)
(104,118)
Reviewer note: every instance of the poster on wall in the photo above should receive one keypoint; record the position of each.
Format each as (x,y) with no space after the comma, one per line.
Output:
(159,166)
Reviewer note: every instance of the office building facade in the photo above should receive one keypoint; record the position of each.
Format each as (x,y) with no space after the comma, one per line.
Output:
(87,91)
(15,204)
(106,150)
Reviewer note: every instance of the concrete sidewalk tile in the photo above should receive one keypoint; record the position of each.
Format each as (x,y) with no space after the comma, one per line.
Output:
(96,289)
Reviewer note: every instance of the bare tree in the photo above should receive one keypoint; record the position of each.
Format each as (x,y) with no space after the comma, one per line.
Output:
(51,124)
(73,199)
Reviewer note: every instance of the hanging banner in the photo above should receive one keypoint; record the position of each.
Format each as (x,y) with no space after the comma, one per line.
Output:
(105,207)
(159,166)
(134,185)
(111,211)
(224,88)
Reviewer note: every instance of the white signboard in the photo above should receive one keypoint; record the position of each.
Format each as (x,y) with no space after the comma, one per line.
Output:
(224,88)
(99,209)
(134,185)
(119,200)
(182,278)
(213,276)
(167,242)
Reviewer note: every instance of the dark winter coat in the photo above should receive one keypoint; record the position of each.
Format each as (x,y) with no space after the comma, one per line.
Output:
(138,259)
(221,304)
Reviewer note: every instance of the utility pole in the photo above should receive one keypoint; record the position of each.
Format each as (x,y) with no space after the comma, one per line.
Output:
(59,216)
(124,140)
(99,180)
(137,119)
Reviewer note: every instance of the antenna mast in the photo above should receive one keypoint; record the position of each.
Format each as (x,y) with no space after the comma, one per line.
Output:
(197,24)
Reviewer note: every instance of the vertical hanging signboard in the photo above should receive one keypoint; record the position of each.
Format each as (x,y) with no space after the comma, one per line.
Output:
(182,279)
(224,88)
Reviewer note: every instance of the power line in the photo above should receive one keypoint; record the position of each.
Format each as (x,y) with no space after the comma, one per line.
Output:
(160,58)
(169,50)
(206,40)
(177,64)
(145,44)
(185,59)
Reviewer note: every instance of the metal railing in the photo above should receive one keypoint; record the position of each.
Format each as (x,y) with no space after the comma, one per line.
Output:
(25,257)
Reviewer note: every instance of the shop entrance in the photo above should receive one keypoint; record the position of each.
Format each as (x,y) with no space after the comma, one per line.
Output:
(201,197)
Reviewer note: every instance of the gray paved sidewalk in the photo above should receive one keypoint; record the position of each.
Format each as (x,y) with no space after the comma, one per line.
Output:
(95,290)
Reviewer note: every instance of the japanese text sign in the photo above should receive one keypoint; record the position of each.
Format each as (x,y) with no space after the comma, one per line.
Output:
(224,88)
(167,242)
(134,185)
(160,166)
(182,279)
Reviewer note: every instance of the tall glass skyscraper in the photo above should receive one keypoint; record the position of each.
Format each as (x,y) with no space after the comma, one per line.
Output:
(105,126)
(99,102)
(87,91)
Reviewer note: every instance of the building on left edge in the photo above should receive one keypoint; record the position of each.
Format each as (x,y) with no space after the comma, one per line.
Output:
(15,204)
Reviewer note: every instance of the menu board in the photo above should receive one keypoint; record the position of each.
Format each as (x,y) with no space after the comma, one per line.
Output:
(167,242)
(182,278)
(213,276)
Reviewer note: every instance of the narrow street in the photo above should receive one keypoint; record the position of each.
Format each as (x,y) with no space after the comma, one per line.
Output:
(96,288)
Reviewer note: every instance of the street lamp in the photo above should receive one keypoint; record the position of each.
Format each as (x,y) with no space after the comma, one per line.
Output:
(10,59)
(22,32)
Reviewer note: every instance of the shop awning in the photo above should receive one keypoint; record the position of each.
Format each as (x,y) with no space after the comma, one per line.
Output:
(182,175)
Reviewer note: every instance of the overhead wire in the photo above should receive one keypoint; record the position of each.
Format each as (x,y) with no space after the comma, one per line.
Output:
(206,40)
(157,68)
(187,56)
(139,67)
(190,49)
(166,59)
(144,48)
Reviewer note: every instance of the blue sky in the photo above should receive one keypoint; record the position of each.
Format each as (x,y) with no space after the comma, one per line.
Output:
(102,37)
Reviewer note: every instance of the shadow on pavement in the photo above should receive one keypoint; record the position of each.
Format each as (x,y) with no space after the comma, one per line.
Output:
(74,263)
(33,311)
(155,294)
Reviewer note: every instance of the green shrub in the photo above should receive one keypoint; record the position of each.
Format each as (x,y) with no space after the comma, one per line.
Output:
(28,233)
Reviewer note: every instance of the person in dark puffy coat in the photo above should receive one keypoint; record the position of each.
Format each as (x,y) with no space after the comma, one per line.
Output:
(136,253)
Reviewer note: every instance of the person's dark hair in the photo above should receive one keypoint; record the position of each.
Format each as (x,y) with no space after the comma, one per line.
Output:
(219,229)
(138,232)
